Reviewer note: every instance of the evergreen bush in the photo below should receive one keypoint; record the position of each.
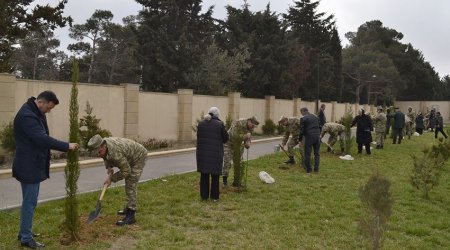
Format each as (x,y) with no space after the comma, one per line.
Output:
(89,126)
(377,203)
(347,120)
(269,127)
(7,140)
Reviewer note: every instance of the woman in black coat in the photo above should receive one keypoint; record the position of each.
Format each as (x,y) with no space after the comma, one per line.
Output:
(363,131)
(419,123)
(211,135)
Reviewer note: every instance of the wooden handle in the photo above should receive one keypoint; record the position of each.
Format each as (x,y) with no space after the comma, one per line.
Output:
(103,192)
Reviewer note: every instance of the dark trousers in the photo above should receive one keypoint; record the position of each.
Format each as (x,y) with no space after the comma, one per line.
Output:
(30,193)
(437,130)
(419,130)
(367,145)
(312,142)
(205,188)
(397,132)
(386,132)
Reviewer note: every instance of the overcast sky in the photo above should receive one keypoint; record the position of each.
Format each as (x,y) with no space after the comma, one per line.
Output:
(423,23)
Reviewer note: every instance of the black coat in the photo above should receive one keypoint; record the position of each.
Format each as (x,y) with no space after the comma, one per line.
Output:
(322,118)
(309,126)
(399,119)
(363,129)
(33,143)
(211,135)
(419,122)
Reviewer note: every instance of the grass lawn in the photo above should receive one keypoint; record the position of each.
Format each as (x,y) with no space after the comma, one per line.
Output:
(298,211)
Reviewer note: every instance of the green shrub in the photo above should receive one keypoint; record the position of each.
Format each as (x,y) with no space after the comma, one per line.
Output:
(280,129)
(347,120)
(269,127)
(89,126)
(377,203)
(428,169)
(7,140)
(152,143)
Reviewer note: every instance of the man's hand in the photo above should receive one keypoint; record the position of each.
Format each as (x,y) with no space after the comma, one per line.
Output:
(109,171)
(282,145)
(107,181)
(73,146)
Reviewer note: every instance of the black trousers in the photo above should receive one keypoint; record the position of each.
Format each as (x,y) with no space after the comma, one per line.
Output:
(419,130)
(312,142)
(367,145)
(205,186)
(397,132)
(437,130)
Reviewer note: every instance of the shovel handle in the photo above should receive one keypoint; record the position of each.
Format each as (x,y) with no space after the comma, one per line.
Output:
(103,192)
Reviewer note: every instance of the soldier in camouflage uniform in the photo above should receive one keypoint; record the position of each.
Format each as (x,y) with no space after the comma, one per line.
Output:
(410,122)
(379,122)
(335,130)
(242,127)
(129,157)
(292,129)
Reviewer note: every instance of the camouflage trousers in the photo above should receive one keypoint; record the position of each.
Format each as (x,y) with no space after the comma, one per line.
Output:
(291,143)
(333,139)
(380,138)
(228,158)
(131,182)
(409,130)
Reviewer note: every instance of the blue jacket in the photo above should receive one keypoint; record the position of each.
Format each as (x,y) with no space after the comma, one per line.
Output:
(309,126)
(33,143)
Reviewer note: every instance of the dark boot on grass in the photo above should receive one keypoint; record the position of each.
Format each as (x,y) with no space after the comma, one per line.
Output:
(342,152)
(123,212)
(128,220)
(224,181)
(290,161)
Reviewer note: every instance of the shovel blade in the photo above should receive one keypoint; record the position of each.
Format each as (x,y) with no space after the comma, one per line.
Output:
(94,214)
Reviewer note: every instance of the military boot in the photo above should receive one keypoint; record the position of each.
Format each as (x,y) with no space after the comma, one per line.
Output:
(128,220)
(342,152)
(123,212)
(224,181)
(290,161)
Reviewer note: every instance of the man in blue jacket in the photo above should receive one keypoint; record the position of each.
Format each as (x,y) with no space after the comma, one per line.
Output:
(309,129)
(31,163)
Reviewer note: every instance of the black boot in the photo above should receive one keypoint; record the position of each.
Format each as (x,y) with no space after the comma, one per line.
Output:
(290,161)
(225,181)
(342,152)
(123,212)
(128,220)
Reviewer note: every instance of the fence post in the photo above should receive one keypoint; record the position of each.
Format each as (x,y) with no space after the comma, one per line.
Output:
(185,99)
(131,126)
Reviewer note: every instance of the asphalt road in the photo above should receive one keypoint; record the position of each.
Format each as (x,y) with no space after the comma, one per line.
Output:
(91,179)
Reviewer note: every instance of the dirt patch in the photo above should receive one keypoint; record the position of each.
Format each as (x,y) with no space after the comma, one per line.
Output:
(124,242)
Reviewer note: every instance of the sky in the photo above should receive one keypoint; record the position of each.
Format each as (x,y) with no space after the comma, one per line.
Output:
(423,23)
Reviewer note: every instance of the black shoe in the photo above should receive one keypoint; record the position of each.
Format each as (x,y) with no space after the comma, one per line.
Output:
(316,171)
(128,220)
(290,161)
(123,212)
(33,234)
(32,244)
(224,181)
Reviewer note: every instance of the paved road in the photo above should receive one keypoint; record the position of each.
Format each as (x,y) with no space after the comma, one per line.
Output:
(92,178)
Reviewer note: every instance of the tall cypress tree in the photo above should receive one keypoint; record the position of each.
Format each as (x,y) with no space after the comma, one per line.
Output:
(72,169)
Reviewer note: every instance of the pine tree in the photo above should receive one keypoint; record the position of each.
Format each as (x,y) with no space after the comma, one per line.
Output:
(72,169)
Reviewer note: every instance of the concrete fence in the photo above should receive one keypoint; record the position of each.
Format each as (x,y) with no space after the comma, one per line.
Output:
(126,112)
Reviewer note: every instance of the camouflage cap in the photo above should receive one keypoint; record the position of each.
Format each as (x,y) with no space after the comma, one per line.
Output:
(95,141)
(282,118)
(254,120)
(379,108)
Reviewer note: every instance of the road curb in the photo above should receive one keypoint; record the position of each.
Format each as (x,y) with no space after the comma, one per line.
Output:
(56,167)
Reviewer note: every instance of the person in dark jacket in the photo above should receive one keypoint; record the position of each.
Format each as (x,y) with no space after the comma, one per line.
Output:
(431,120)
(211,135)
(364,130)
(419,123)
(309,130)
(322,117)
(389,117)
(439,125)
(399,124)
(31,163)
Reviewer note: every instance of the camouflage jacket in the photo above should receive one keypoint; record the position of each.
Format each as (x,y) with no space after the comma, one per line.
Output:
(411,117)
(379,122)
(292,128)
(124,154)
(239,127)
(332,128)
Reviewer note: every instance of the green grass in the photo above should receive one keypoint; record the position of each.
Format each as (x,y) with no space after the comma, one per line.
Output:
(298,211)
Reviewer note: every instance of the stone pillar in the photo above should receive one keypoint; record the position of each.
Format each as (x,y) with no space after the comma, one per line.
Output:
(7,98)
(185,99)
(333,111)
(234,105)
(297,107)
(131,128)
(270,108)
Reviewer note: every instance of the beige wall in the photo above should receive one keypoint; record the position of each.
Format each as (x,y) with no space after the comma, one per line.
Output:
(425,106)
(283,108)
(158,116)
(253,107)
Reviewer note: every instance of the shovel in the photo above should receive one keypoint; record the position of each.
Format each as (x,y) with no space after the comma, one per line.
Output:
(331,149)
(94,214)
